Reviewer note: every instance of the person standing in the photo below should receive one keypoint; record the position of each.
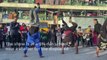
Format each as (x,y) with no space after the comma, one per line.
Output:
(80,35)
(97,27)
(1,36)
(36,13)
(23,30)
(5,34)
(14,32)
(33,14)
(88,34)
(58,34)
(53,37)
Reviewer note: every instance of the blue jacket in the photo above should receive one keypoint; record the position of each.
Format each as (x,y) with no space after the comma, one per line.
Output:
(34,38)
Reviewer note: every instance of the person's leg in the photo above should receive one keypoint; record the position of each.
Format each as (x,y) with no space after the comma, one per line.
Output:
(98,47)
(83,41)
(4,41)
(20,42)
(26,49)
(76,47)
(60,42)
(37,45)
(57,42)
(13,42)
(37,19)
(97,51)
(0,44)
(78,40)
(91,42)
(17,41)
(24,38)
(32,20)
(63,48)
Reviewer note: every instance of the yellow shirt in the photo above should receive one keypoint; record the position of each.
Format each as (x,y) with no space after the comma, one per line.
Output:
(87,30)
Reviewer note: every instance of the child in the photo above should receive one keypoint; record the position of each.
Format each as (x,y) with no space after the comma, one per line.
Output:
(33,36)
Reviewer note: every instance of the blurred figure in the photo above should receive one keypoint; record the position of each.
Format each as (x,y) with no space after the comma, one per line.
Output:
(23,30)
(102,38)
(5,29)
(33,36)
(8,35)
(14,32)
(44,38)
(88,37)
(34,14)
(53,37)
(58,35)
(1,36)
(70,34)
(97,27)
(80,35)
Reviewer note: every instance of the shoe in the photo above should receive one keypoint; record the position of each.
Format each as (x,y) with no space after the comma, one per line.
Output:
(41,56)
(25,56)
(62,53)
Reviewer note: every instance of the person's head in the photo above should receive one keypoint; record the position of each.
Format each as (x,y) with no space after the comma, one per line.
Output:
(15,19)
(33,29)
(79,27)
(95,21)
(23,24)
(89,26)
(35,7)
(38,3)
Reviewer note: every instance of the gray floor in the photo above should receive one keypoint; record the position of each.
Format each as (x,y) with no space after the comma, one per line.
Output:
(84,54)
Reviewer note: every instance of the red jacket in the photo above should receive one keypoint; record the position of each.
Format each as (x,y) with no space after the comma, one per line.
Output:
(23,29)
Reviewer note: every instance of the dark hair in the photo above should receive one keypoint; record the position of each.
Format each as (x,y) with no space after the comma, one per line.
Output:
(35,6)
(33,29)
(96,20)
(38,3)
(79,27)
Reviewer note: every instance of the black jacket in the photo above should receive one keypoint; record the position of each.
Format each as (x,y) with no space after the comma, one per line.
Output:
(1,35)
(97,28)
(14,28)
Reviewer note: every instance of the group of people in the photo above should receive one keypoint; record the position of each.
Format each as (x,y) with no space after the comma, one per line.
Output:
(20,34)
(14,33)
(69,35)
(89,36)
